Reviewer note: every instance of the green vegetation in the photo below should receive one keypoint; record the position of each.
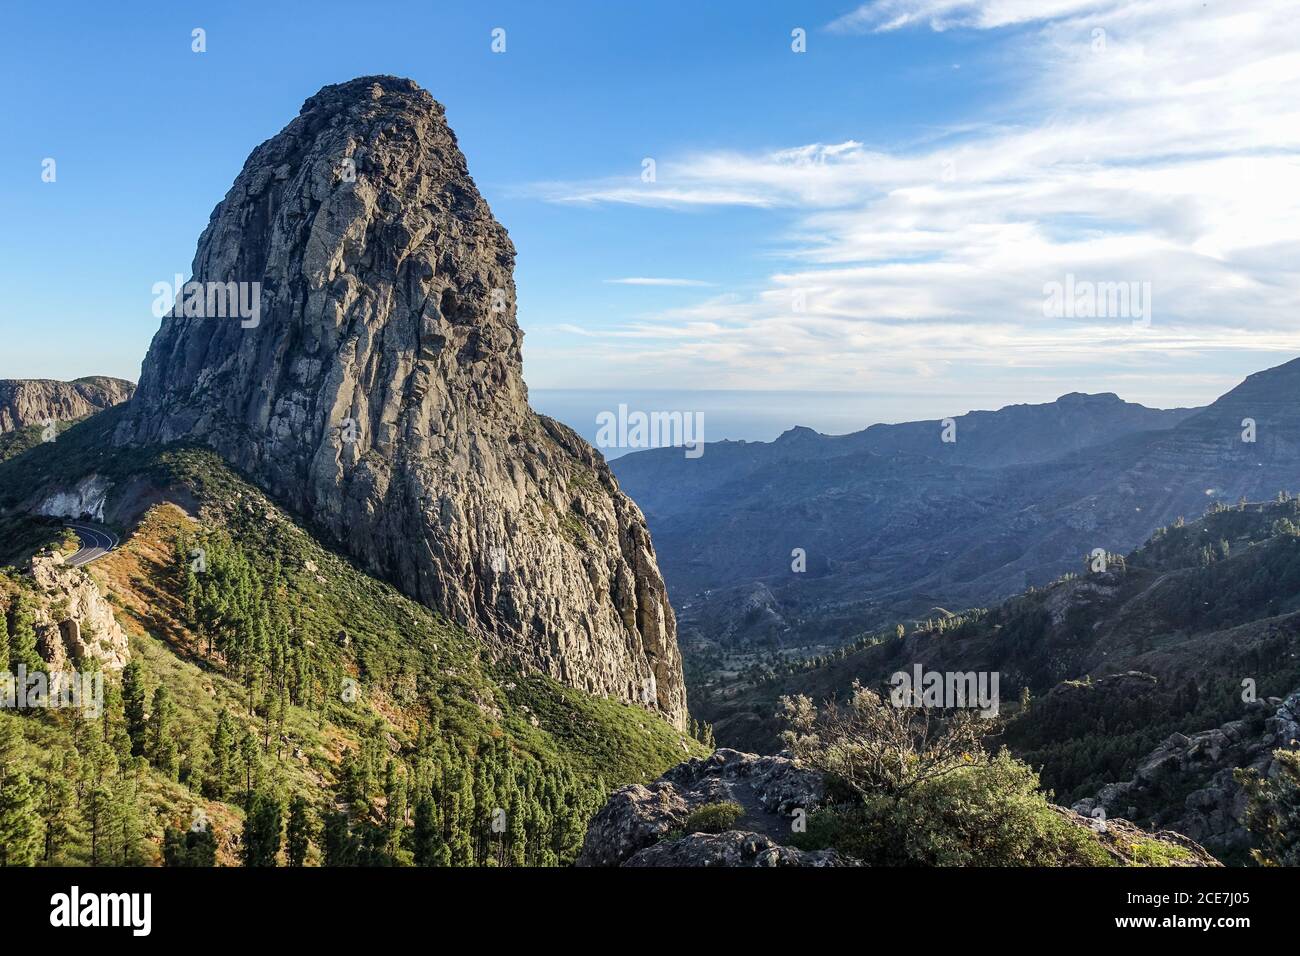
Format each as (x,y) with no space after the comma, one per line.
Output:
(906,788)
(1155,853)
(714,817)
(1273,813)
(280,695)
(22,440)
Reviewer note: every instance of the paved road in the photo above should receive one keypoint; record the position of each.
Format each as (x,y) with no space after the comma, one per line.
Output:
(96,541)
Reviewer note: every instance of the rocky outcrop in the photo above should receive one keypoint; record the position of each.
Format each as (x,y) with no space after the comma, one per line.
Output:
(647,825)
(74,622)
(378,391)
(35,401)
(84,499)
(1130,845)
(630,829)
(1201,765)
(733,848)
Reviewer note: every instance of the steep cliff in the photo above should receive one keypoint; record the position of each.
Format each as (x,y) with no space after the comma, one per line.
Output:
(73,620)
(34,401)
(379,392)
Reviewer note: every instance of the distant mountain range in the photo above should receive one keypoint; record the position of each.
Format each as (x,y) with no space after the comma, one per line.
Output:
(1145,684)
(26,402)
(894,520)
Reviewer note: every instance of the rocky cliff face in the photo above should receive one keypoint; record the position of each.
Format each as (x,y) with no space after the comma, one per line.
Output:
(35,401)
(379,392)
(74,622)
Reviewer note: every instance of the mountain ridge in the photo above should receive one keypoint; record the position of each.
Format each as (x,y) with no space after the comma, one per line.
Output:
(29,402)
(906,520)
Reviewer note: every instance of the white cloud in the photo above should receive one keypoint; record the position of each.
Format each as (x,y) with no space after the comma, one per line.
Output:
(881,16)
(646,280)
(1165,149)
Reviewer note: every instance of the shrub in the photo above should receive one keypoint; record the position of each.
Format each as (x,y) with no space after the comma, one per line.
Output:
(909,788)
(873,747)
(1273,813)
(714,817)
(987,813)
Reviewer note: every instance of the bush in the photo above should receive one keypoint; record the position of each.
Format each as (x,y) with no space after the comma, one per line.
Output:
(874,746)
(714,817)
(988,813)
(1273,813)
(908,787)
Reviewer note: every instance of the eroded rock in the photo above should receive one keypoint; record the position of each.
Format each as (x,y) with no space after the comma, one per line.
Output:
(33,401)
(769,789)
(380,393)
(74,622)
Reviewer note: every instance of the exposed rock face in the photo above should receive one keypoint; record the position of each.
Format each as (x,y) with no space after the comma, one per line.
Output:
(380,394)
(629,829)
(74,623)
(36,401)
(86,498)
(1202,765)
(733,848)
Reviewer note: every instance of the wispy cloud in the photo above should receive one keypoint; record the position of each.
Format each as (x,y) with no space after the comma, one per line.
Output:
(647,280)
(1164,148)
(881,16)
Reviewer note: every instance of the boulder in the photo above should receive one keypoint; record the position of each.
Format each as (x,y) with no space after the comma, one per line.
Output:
(769,789)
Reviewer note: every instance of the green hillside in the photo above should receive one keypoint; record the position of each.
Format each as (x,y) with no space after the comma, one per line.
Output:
(1200,607)
(275,684)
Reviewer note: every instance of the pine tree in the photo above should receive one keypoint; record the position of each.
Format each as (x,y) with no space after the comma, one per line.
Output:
(517,832)
(133,706)
(95,810)
(20,823)
(263,829)
(4,642)
(193,595)
(461,826)
(163,750)
(22,636)
(298,832)
(249,756)
(395,806)
(123,827)
(190,848)
(202,845)
(221,768)
(57,807)
(427,844)
(338,846)
(195,847)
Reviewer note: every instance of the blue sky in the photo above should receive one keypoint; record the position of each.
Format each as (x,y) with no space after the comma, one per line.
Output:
(912,180)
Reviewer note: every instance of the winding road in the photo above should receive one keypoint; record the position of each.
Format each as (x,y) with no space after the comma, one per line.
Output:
(96,541)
